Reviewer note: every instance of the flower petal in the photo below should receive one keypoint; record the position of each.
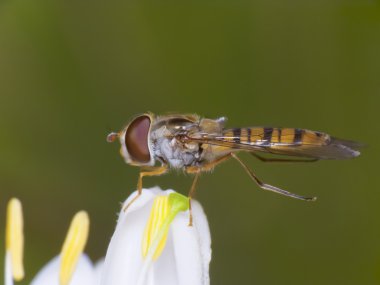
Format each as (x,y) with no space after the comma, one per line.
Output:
(84,273)
(184,260)
(192,247)
(146,196)
(99,265)
(73,246)
(8,279)
(124,258)
(201,225)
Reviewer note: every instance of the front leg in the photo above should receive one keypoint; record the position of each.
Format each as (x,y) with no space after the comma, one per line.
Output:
(146,171)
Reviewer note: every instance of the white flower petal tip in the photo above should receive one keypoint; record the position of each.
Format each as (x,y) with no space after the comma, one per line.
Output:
(73,246)
(153,244)
(71,267)
(84,273)
(146,196)
(14,241)
(99,265)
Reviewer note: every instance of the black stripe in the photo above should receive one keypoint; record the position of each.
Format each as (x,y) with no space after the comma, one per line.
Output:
(298,136)
(237,134)
(249,135)
(279,135)
(267,135)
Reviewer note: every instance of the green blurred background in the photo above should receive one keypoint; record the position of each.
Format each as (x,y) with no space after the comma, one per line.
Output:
(71,71)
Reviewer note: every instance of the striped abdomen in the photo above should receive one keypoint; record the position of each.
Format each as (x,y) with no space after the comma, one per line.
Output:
(261,136)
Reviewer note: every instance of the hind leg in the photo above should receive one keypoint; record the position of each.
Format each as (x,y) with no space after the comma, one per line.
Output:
(265,159)
(268,187)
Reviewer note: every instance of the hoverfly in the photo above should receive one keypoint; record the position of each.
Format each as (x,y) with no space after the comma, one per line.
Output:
(196,145)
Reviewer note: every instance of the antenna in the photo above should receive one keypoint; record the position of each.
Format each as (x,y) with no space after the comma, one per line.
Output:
(112,137)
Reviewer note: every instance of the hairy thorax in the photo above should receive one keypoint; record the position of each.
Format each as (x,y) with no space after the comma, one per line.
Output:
(168,148)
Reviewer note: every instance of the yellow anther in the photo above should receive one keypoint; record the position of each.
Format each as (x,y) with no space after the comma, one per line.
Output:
(164,210)
(14,240)
(73,246)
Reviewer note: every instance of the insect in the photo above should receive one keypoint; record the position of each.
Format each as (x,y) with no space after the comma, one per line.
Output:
(195,144)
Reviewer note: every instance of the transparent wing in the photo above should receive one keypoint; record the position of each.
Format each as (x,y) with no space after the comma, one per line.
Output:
(291,142)
(334,149)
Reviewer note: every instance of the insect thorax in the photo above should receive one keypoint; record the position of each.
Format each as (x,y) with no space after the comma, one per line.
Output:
(167,148)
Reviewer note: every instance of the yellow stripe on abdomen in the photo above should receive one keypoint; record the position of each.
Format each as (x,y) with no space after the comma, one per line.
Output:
(287,135)
(267,136)
(256,134)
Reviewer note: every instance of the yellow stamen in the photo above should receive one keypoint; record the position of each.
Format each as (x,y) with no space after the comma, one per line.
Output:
(157,217)
(14,240)
(73,246)
(164,210)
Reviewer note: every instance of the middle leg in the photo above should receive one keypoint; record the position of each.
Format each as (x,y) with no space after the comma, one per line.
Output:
(197,171)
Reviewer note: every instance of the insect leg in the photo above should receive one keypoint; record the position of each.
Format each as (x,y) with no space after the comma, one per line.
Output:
(265,159)
(148,171)
(270,187)
(197,170)
(191,194)
(208,166)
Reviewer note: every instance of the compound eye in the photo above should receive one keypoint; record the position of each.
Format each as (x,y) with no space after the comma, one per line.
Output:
(136,139)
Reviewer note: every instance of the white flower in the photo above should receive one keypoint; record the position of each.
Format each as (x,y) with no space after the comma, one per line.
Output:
(71,267)
(153,244)
(85,272)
